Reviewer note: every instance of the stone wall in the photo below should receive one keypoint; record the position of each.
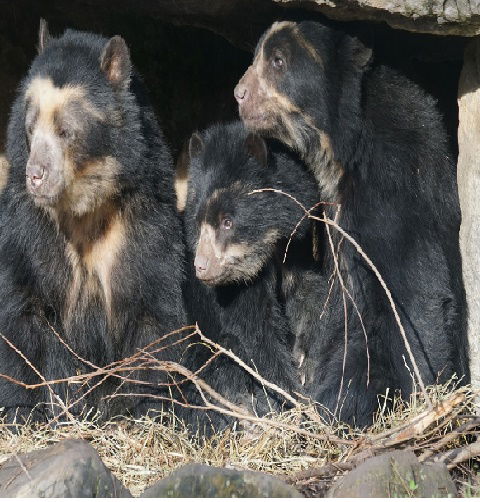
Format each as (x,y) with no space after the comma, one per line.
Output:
(468,173)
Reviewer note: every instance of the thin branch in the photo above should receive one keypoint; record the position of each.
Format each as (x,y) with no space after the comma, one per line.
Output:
(35,370)
(390,299)
(375,270)
(249,370)
(347,292)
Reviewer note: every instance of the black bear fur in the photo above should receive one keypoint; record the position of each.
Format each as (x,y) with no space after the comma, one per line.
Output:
(36,271)
(247,310)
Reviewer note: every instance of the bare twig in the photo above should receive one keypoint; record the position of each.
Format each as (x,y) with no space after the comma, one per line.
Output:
(390,299)
(459,455)
(249,370)
(347,292)
(375,270)
(35,370)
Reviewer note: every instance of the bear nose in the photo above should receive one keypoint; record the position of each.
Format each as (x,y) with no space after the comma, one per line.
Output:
(201,263)
(240,92)
(36,175)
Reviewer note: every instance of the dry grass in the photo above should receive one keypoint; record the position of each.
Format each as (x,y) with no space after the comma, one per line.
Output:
(142,451)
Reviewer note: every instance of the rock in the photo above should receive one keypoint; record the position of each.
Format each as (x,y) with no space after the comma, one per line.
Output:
(3,171)
(443,17)
(71,468)
(395,474)
(468,176)
(197,480)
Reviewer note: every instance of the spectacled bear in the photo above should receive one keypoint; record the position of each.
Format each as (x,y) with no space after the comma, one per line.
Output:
(90,243)
(242,289)
(377,147)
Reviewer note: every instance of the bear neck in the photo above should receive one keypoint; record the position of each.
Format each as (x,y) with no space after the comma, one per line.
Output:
(83,231)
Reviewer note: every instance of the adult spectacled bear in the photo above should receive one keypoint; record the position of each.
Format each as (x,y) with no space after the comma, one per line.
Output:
(90,241)
(377,146)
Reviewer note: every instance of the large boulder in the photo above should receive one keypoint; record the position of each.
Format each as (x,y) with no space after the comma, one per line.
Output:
(242,21)
(396,474)
(196,480)
(71,468)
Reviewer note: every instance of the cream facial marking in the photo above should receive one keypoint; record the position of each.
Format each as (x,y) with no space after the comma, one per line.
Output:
(50,99)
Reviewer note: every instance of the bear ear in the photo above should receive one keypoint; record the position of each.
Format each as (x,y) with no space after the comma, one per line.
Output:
(195,145)
(115,62)
(360,54)
(43,36)
(257,148)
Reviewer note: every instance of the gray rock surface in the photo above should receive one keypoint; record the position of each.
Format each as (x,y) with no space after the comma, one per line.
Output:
(453,17)
(197,480)
(3,171)
(71,468)
(468,176)
(396,474)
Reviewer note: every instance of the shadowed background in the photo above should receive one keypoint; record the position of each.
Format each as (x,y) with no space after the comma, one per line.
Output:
(190,71)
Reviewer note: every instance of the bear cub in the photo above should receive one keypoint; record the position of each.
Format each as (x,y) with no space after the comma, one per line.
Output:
(242,288)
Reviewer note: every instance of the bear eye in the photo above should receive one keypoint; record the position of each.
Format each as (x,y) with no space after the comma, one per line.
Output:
(278,62)
(226,223)
(63,133)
